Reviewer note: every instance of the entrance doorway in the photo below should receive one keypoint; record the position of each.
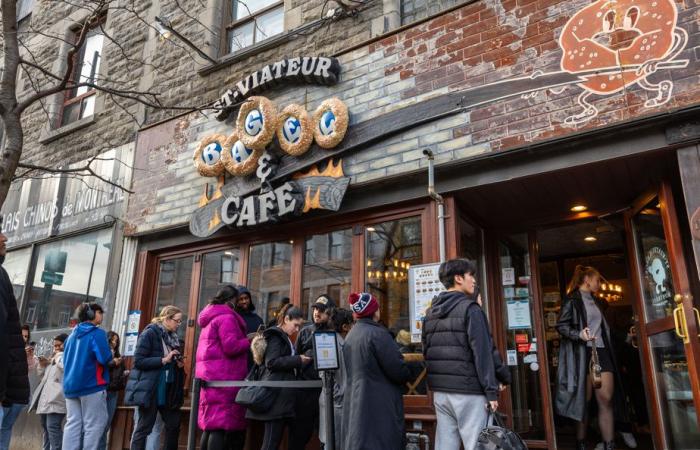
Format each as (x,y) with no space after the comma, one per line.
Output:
(600,244)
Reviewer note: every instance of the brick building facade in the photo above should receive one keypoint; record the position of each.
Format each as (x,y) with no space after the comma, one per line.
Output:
(529,107)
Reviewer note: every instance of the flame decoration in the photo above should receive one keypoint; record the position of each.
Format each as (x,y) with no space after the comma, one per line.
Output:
(331,170)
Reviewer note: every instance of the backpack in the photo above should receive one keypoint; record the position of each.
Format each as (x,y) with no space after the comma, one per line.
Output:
(497,437)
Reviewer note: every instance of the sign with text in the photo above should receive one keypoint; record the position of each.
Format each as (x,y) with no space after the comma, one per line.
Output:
(52,205)
(423,286)
(326,350)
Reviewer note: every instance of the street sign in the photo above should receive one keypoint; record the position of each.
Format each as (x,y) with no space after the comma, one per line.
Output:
(51,278)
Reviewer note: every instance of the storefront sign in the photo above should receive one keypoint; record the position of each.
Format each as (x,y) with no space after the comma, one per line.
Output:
(309,69)
(39,208)
(326,350)
(423,286)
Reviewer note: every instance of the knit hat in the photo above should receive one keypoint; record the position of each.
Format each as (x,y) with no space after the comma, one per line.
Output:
(61,337)
(363,304)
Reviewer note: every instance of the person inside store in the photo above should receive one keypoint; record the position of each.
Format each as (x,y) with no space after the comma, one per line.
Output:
(342,322)
(307,418)
(48,400)
(373,404)
(582,325)
(246,308)
(85,379)
(279,361)
(14,378)
(222,354)
(156,383)
(458,349)
(118,374)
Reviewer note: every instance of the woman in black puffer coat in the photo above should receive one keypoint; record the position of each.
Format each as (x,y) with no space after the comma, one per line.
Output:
(279,363)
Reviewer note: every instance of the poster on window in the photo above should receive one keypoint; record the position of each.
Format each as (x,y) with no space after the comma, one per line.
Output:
(423,286)
(518,314)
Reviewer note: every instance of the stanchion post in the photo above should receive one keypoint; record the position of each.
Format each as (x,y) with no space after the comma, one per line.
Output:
(328,382)
(194,409)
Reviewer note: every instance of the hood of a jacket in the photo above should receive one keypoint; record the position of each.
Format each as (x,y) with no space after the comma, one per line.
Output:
(85,328)
(210,312)
(244,290)
(446,302)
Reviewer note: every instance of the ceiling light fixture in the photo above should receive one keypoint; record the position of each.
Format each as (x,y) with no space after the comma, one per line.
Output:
(579,208)
(590,239)
(371,229)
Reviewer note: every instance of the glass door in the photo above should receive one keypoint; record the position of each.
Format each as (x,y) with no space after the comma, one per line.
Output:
(666,313)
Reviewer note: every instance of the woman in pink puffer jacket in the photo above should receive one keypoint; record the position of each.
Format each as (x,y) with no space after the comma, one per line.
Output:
(222,354)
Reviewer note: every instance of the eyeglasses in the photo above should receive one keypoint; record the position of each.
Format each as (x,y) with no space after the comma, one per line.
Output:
(178,321)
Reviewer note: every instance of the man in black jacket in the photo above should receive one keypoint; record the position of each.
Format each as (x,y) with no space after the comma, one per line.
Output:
(14,377)
(458,351)
(307,418)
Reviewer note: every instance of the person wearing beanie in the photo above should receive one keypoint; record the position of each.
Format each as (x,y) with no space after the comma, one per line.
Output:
(48,400)
(372,404)
(307,419)
(458,351)
(246,308)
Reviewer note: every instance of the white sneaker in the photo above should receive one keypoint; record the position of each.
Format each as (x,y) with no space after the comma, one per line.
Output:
(629,439)
(600,446)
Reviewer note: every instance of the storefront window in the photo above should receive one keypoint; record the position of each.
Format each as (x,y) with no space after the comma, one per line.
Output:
(327,268)
(521,339)
(269,276)
(174,283)
(16,265)
(67,273)
(391,248)
(218,268)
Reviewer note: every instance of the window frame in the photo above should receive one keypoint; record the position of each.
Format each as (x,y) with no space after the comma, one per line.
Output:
(69,100)
(229,23)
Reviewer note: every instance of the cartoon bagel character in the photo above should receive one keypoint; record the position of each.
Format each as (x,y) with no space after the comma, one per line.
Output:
(626,39)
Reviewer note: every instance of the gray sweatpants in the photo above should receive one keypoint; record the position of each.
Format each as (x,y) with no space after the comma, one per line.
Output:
(460,419)
(86,418)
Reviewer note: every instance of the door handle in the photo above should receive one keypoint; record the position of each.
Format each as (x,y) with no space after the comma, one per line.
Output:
(679,319)
(697,318)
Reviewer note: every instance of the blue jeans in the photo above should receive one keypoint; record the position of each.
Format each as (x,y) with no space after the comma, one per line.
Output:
(112,398)
(8,421)
(52,424)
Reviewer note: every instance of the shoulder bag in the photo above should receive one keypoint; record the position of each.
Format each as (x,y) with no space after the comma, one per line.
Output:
(258,399)
(497,437)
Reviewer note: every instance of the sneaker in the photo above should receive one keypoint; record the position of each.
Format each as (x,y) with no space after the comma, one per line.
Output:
(629,440)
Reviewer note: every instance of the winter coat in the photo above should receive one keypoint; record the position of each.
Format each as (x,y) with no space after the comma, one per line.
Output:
(280,364)
(48,398)
(572,372)
(340,376)
(14,369)
(458,347)
(252,320)
(117,379)
(85,360)
(145,375)
(4,356)
(222,354)
(373,405)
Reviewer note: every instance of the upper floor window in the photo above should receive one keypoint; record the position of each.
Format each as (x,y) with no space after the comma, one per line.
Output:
(79,102)
(24,9)
(248,22)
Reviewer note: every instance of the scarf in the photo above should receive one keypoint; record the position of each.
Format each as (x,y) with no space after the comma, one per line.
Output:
(171,339)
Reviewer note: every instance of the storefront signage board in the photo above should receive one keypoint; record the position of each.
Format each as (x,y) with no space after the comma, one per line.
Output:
(47,206)
(423,286)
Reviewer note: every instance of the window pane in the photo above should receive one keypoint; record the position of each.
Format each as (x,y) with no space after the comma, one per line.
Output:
(269,274)
(217,268)
(88,107)
(91,55)
(244,8)
(174,281)
(241,37)
(71,113)
(16,264)
(516,289)
(327,268)
(269,24)
(391,249)
(658,288)
(67,273)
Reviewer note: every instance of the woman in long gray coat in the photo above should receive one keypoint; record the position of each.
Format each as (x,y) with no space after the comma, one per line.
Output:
(48,399)
(373,405)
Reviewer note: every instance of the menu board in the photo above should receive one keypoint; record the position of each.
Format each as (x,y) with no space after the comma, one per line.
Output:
(423,286)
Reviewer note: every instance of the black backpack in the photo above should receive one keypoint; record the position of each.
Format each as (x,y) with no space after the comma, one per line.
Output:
(496,437)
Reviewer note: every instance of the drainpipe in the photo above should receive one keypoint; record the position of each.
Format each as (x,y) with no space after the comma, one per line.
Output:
(438,199)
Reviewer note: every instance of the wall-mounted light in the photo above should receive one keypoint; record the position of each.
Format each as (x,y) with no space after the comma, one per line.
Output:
(371,229)
(166,31)
(579,208)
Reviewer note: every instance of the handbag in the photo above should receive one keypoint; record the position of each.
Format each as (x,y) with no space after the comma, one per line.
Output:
(594,369)
(496,436)
(258,399)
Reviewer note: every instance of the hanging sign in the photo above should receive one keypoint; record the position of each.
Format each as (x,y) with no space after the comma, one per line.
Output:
(308,69)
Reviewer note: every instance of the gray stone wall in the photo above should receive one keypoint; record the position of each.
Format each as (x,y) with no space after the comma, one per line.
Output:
(414,10)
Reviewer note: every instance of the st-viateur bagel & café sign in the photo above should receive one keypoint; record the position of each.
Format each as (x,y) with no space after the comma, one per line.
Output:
(251,151)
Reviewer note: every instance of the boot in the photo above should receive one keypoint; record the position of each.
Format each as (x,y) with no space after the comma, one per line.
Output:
(610,445)
(580,444)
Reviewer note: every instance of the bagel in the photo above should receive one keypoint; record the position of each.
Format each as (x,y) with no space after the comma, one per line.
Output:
(330,123)
(294,130)
(207,156)
(256,122)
